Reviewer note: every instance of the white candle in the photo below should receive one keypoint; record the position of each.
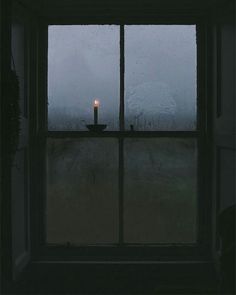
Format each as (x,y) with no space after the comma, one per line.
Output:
(95,108)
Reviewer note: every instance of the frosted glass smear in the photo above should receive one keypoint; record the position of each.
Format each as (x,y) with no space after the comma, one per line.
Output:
(82,191)
(160,77)
(160,190)
(83,64)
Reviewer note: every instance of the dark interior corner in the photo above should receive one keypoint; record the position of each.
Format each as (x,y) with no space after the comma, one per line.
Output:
(193,252)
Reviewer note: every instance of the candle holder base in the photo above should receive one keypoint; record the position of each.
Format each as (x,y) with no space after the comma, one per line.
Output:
(96,127)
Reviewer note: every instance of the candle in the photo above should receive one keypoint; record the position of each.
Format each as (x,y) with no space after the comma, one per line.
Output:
(95,107)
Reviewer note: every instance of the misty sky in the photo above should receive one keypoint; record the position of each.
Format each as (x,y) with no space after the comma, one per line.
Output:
(160,76)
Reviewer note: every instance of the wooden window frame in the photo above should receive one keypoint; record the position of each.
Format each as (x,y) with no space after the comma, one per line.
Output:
(137,252)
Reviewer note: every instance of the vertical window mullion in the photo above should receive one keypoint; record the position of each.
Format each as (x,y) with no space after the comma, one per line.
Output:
(121,140)
(122,78)
(121,191)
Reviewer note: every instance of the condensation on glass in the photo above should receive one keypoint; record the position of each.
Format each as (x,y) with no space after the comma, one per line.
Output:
(82,191)
(160,190)
(160,77)
(83,65)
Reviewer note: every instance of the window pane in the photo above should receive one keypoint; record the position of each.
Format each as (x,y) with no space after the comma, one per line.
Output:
(83,64)
(82,191)
(160,190)
(160,77)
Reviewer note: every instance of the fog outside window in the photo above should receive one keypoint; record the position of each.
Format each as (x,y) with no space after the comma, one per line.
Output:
(137,185)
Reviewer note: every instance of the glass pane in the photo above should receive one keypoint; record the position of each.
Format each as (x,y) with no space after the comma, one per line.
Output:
(83,65)
(160,77)
(82,191)
(160,190)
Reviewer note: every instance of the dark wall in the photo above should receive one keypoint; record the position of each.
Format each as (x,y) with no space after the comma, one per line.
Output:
(223,119)
(224,128)
(0,146)
(20,49)
(4,68)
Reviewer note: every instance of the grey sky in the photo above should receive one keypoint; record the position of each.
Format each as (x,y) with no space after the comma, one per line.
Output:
(160,76)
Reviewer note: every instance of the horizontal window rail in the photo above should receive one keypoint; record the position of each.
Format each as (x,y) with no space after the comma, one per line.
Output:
(122,134)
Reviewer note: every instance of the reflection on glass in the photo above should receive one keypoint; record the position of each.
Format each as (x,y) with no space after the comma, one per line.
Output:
(160,77)
(82,191)
(83,64)
(160,190)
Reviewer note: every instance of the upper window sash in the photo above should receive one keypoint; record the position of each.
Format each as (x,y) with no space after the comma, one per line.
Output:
(145,77)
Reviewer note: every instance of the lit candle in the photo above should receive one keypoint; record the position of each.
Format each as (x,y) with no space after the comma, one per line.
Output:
(95,107)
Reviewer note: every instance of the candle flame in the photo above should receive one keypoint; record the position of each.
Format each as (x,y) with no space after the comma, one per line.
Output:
(96,103)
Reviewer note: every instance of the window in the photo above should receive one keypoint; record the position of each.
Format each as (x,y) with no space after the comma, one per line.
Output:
(158,75)
(137,183)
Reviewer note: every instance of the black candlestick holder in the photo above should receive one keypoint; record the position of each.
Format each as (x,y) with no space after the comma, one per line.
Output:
(96,127)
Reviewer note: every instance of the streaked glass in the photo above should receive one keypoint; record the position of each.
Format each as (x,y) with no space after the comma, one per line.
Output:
(83,65)
(160,190)
(82,191)
(160,77)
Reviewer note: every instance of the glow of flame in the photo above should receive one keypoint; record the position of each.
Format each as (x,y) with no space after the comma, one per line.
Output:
(96,103)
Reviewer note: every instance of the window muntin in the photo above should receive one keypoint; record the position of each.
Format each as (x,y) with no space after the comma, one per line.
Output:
(124,223)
